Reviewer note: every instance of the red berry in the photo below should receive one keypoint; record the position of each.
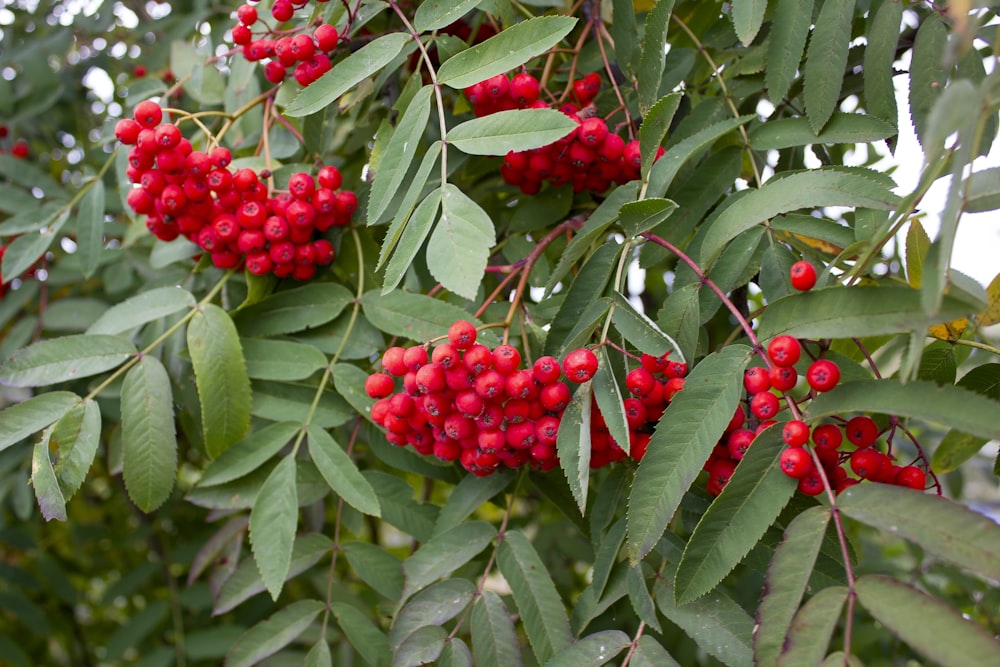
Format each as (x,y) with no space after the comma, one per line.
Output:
(811,485)
(803,276)
(247,14)
(524,88)
(738,442)
(784,350)
(756,380)
(823,375)
(764,405)
(862,431)
(555,396)
(827,436)
(546,370)
(719,474)
(462,334)
(392,361)
(282,10)
(795,433)
(796,462)
(326,38)
(866,463)
(148,114)
(911,476)
(506,359)
(242,35)
(379,385)
(127,131)
(592,132)
(580,365)
(783,378)
(640,382)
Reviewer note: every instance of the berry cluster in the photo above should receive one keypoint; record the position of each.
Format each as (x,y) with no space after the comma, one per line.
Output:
(591,158)
(469,403)
(307,53)
(651,387)
(230,215)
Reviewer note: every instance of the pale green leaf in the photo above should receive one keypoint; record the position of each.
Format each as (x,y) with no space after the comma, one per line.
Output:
(610,401)
(284,401)
(460,244)
(826,59)
(271,635)
(90,228)
(444,553)
(573,444)
(347,73)
(43,480)
(595,649)
(683,440)
(503,52)
(318,656)
(406,207)
(249,453)
(880,54)
(842,128)
(786,44)
(398,154)
(221,377)
(144,307)
(983,192)
(280,359)
(22,419)
(273,521)
(514,130)
(494,639)
(917,245)
(654,128)
(76,437)
(421,648)
(293,310)
(456,653)
(349,381)
(641,600)
(927,72)
(376,567)
(26,249)
(150,444)
(340,472)
(64,359)
(643,332)
(413,316)
(747,15)
(410,241)
(811,629)
(680,318)
(435,14)
(435,605)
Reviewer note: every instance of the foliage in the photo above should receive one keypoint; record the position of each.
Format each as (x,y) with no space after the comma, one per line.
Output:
(213,482)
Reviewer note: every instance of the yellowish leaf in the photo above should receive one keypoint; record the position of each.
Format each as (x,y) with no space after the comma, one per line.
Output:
(992,313)
(949,331)
(917,245)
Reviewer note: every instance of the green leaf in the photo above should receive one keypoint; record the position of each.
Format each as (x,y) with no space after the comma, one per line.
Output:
(595,649)
(503,52)
(398,155)
(573,444)
(221,377)
(842,128)
(456,653)
(90,228)
(933,628)
(422,647)
(623,32)
(787,578)
(805,189)
(942,527)
(348,73)
(150,444)
(144,307)
(411,240)
(445,553)
(880,54)
(436,14)
(684,438)
(983,190)
(341,473)
(271,635)
(641,331)
(293,310)
(249,453)
(648,653)
(641,216)
(366,638)
(826,60)
(787,42)
(917,245)
(809,634)
(748,15)
(273,520)
(716,623)
(281,401)
(609,400)
(541,609)
(664,170)
(955,449)
(26,249)
(405,210)
(652,53)
(460,244)
(134,630)
(641,600)
(64,359)
(680,318)
(937,364)
(514,130)
(838,312)
(956,407)
(494,639)
(655,125)
(245,582)
(280,359)
(31,416)
(43,479)
(435,605)
(376,567)
(349,381)
(318,656)
(737,519)
(927,72)
(76,437)
(412,316)
(468,496)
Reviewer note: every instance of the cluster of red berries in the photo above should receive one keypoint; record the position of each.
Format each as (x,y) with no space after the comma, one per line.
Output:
(465,402)
(230,215)
(307,53)
(651,387)
(590,158)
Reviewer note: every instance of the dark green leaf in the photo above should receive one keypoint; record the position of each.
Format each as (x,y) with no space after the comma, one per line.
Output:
(435,605)
(318,656)
(826,60)
(377,567)
(652,53)
(468,496)
(933,628)
(648,653)
(514,130)
(273,521)
(249,453)
(90,228)
(937,364)
(460,244)
(955,449)
(411,240)
(405,210)
(942,527)
(789,31)
(150,444)
(144,307)
(736,519)
(664,170)
(366,638)
(641,216)
(341,473)
(221,377)
(293,310)
(76,437)
(444,553)
(134,630)
(494,639)
(22,419)
(596,649)
(503,52)
(809,635)
(280,359)
(398,154)
(748,15)
(573,444)
(609,400)
(641,331)
(437,13)
(880,54)
(64,359)
(282,401)
(641,600)
(655,125)
(836,312)
(927,72)
(412,316)
(422,647)
(680,318)
(24,251)
(842,128)
(43,479)
(684,438)
(535,595)
(787,578)
(348,73)
(270,636)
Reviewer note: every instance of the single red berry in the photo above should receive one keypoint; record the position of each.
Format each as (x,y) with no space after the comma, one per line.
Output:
(783,378)
(719,474)
(127,131)
(827,436)
(148,114)
(247,14)
(803,276)
(282,10)
(462,334)
(242,35)
(555,396)
(392,361)
(756,380)
(738,442)
(671,387)
(640,382)
(784,350)
(862,431)
(811,485)
(275,72)
(638,444)
(477,358)
(823,375)
(592,132)
(795,433)
(506,359)
(580,365)
(911,476)
(546,370)
(796,462)
(866,463)
(379,385)
(524,88)
(764,405)
(326,37)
